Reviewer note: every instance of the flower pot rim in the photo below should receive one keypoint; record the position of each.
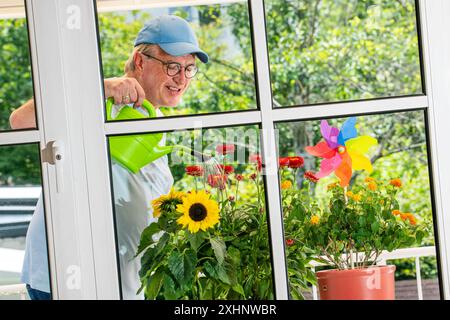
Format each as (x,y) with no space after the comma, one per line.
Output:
(351,272)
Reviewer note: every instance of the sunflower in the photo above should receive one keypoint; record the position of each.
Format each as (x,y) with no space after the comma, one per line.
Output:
(167,203)
(199,211)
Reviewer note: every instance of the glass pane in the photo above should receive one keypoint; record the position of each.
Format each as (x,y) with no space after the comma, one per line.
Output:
(356,192)
(328,51)
(23,241)
(191,206)
(225,83)
(16,83)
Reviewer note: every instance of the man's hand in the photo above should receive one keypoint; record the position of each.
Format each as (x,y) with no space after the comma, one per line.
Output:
(124,90)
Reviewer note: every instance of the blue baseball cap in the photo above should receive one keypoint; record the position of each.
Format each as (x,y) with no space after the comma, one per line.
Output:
(173,34)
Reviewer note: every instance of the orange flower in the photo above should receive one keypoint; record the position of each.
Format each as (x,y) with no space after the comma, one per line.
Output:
(372,186)
(396,183)
(369,179)
(410,217)
(286,184)
(331,186)
(356,197)
(396,212)
(315,220)
(349,194)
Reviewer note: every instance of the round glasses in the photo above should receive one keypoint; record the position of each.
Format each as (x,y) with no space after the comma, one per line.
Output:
(174,68)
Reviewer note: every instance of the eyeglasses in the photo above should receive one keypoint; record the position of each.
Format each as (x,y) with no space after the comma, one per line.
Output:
(174,68)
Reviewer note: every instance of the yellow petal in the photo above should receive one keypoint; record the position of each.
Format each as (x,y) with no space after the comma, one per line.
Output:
(361,144)
(360,162)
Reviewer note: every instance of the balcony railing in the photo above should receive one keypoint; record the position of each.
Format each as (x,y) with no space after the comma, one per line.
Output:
(408,253)
(14,289)
(416,253)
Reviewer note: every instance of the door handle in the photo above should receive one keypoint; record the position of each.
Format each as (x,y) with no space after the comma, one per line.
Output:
(53,154)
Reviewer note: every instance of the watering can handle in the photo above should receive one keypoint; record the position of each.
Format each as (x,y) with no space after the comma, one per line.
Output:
(146,104)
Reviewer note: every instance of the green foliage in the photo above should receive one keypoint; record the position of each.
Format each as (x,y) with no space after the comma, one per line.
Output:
(19,165)
(328,50)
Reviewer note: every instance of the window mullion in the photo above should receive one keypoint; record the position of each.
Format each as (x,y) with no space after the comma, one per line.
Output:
(268,143)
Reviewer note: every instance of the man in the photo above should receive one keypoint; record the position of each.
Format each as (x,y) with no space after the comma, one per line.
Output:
(159,69)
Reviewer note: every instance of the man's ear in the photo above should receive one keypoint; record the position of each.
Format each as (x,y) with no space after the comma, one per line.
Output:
(138,61)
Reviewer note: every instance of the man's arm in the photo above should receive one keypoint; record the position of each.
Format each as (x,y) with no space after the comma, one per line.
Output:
(24,116)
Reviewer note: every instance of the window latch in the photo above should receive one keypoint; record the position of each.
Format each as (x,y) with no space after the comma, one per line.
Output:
(53,154)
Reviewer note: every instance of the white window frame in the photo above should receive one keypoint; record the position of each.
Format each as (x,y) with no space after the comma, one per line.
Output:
(68,95)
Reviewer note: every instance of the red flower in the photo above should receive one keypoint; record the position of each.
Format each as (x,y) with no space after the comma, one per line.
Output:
(311,176)
(217,181)
(231,198)
(196,171)
(296,162)
(253,176)
(225,148)
(226,169)
(256,158)
(290,242)
(239,177)
(284,162)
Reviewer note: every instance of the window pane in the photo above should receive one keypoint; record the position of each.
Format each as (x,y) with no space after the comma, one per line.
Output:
(199,228)
(360,186)
(16,84)
(329,51)
(225,83)
(23,241)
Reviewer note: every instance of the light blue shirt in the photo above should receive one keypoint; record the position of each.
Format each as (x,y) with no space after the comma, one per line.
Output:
(35,263)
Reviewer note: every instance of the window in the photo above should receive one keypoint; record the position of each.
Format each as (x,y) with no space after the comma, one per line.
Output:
(277,69)
(226,83)
(23,237)
(205,233)
(379,207)
(330,51)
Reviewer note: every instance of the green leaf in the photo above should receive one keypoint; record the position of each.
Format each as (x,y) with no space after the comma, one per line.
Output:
(147,237)
(182,266)
(219,248)
(375,226)
(238,288)
(154,284)
(196,240)
(169,291)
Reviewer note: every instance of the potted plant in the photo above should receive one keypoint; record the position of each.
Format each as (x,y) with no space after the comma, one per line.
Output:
(211,240)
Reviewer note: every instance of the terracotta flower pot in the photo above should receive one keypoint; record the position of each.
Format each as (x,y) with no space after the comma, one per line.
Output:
(373,283)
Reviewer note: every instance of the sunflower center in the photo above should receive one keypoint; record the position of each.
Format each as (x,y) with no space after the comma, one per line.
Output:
(197,212)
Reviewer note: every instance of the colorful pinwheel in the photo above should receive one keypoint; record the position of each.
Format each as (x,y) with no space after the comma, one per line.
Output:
(342,151)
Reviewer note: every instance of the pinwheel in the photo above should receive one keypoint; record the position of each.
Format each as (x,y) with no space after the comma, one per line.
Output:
(342,151)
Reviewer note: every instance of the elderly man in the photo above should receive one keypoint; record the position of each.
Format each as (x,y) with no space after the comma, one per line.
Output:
(159,69)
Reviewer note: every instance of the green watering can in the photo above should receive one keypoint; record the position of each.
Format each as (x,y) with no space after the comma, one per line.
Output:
(135,151)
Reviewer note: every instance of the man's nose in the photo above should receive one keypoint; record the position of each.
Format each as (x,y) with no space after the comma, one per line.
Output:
(180,78)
